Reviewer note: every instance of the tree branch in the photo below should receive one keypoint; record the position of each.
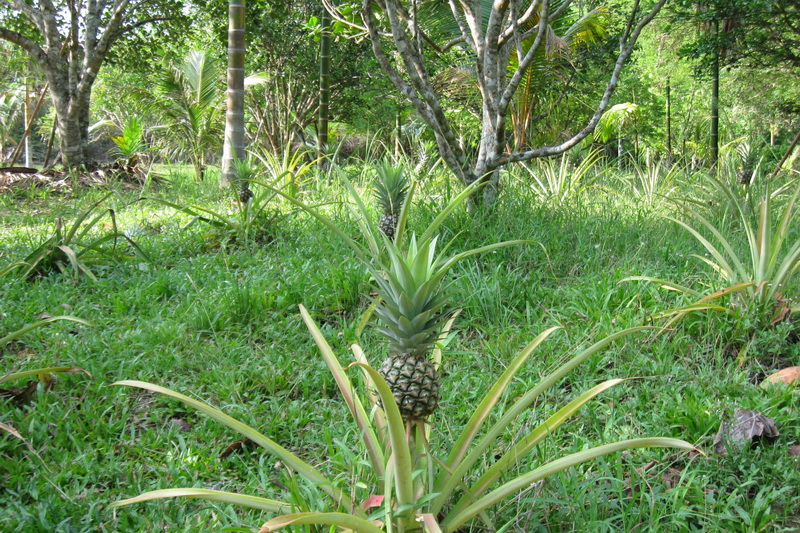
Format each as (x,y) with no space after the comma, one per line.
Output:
(127,29)
(29,45)
(516,78)
(625,51)
(32,14)
(445,137)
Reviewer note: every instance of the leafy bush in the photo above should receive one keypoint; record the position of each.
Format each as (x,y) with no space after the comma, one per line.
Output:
(250,222)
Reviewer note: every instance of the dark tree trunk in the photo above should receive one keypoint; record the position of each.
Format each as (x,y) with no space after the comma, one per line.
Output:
(715,105)
(324,83)
(669,123)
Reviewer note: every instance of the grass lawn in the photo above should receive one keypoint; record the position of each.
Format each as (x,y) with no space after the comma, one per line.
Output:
(220,322)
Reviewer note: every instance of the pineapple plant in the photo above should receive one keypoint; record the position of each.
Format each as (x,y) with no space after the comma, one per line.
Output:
(412,302)
(391,189)
(413,310)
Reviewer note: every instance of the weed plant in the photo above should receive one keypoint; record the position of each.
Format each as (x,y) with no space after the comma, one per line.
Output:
(223,327)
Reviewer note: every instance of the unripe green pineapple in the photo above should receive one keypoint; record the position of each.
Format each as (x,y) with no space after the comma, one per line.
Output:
(391,187)
(415,384)
(412,312)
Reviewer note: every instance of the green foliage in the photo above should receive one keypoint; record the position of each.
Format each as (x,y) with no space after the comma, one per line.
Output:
(251,222)
(10,112)
(288,171)
(64,250)
(614,120)
(130,142)
(543,85)
(753,32)
(558,183)
(187,101)
(757,276)
(657,181)
(412,487)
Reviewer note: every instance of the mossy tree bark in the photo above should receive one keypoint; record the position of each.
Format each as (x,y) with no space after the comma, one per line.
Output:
(70,44)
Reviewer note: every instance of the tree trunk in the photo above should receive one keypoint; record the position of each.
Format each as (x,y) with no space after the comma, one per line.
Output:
(72,46)
(398,129)
(491,38)
(324,85)
(27,119)
(234,145)
(72,117)
(669,124)
(715,105)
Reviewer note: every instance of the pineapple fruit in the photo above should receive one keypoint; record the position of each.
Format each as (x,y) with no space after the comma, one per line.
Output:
(391,188)
(412,310)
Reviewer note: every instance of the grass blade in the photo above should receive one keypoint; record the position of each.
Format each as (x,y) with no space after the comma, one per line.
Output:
(341,521)
(529,441)
(16,334)
(478,417)
(454,521)
(460,469)
(40,371)
(254,502)
(290,459)
(348,394)
(401,454)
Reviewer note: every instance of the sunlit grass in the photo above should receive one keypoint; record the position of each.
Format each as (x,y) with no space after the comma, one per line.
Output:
(223,325)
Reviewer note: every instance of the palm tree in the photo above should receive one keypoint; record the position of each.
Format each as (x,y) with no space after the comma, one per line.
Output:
(234,146)
(613,122)
(187,97)
(551,68)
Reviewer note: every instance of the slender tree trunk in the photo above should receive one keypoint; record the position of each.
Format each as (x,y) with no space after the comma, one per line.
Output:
(27,118)
(26,135)
(669,124)
(787,154)
(398,123)
(234,144)
(715,105)
(49,145)
(324,85)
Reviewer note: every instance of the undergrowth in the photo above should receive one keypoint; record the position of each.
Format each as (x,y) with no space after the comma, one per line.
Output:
(223,325)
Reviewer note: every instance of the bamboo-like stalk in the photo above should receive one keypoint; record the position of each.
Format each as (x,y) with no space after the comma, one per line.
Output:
(234,146)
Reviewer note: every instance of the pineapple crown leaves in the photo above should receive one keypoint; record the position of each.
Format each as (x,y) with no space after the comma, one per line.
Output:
(413,300)
(391,186)
(416,271)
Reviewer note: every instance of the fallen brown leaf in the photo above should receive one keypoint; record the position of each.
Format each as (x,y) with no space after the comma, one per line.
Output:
(747,426)
(238,446)
(787,375)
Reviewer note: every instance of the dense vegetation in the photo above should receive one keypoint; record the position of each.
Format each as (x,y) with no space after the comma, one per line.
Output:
(660,253)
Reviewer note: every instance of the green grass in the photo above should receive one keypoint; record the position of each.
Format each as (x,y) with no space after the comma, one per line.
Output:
(223,325)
